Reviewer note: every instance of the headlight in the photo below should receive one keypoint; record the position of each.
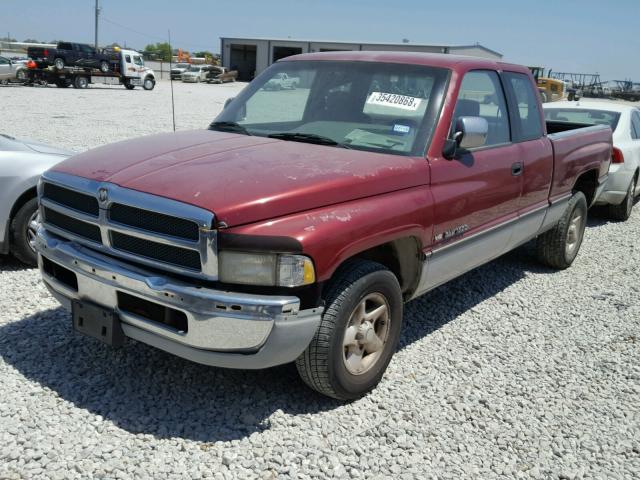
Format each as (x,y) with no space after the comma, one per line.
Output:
(269,269)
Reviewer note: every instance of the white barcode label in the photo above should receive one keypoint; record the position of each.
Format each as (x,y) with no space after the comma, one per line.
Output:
(404,102)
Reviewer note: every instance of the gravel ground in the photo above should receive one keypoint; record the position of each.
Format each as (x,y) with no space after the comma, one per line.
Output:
(509,371)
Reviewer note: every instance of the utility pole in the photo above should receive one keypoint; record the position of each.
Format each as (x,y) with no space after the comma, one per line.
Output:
(97,15)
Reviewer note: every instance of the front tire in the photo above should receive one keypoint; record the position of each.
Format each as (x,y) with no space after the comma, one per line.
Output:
(358,333)
(558,247)
(104,66)
(622,212)
(148,84)
(23,233)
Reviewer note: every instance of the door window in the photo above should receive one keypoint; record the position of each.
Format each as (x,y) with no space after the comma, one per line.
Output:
(481,95)
(4,61)
(65,46)
(635,126)
(526,117)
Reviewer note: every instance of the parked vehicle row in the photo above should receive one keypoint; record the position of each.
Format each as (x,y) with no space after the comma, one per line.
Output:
(192,73)
(296,234)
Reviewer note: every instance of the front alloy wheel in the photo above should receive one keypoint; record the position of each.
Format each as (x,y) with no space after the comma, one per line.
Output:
(366,334)
(358,332)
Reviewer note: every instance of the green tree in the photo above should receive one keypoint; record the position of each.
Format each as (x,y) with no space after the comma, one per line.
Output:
(161,51)
(203,54)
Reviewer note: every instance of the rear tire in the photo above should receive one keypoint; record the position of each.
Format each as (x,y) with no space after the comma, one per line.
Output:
(558,247)
(58,63)
(81,82)
(358,333)
(128,86)
(622,212)
(23,233)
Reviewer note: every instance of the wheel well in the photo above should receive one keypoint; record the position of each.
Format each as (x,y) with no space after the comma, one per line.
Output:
(402,257)
(587,183)
(22,199)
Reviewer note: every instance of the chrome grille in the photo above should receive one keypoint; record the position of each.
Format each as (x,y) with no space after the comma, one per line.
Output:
(136,226)
(71,225)
(153,221)
(157,251)
(77,201)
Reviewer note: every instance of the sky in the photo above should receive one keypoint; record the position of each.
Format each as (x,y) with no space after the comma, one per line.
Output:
(588,36)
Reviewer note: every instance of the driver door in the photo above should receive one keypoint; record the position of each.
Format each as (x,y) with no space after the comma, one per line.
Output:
(476,195)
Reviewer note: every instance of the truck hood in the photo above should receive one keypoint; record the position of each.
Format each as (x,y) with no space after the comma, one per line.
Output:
(244,179)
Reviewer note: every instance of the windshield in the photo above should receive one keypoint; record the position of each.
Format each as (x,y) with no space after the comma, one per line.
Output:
(582,115)
(361,105)
(138,60)
(194,68)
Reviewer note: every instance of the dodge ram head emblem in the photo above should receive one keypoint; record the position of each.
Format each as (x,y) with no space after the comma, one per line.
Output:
(103,195)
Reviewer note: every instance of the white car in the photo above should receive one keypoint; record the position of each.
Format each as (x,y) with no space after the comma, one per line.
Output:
(282,81)
(196,74)
(622,185)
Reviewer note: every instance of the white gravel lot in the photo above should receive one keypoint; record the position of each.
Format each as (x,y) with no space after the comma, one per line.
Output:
(511,371)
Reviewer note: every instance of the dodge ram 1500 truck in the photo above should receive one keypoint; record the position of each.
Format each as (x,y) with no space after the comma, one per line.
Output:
(297,226)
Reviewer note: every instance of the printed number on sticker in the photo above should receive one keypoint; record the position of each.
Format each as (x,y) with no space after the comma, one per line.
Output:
(393,100)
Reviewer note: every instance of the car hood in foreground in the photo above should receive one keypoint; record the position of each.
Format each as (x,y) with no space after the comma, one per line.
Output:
(244,179)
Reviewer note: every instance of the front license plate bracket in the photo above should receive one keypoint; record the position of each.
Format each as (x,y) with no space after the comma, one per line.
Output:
(97,322)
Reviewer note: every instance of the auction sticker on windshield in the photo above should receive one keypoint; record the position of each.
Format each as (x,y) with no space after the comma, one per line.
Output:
(404,102)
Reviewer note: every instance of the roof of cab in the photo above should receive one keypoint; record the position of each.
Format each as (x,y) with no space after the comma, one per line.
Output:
(443,60)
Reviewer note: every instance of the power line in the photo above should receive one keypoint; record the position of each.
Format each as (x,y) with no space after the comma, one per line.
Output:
(148,35)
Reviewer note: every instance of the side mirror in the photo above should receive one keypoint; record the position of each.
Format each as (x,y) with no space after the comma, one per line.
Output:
(227,102)
(471,132)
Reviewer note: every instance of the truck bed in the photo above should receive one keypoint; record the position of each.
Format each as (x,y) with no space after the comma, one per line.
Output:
(577,148)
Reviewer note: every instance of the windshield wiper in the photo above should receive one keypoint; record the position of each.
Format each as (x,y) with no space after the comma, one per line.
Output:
(228,127)
(308,138)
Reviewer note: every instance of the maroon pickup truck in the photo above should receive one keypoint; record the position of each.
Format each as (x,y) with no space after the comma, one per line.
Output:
(297,226)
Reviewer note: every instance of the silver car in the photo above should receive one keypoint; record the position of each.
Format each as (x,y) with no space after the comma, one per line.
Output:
(21,164)
(195,74)
(10,70)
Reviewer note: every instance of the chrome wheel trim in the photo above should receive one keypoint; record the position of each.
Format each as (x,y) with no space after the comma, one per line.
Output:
(366,334)
(574,233)
(32,228)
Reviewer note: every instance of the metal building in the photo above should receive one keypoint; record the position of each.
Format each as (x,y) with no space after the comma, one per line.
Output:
(250,56)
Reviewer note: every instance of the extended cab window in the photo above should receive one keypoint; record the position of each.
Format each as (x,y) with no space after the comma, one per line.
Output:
(481,95)
(65,46)
(527,122)
(389,108)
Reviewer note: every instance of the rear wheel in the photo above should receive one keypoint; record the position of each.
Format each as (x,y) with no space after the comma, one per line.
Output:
(358,333)
(559,246)
(81,82)
(622,212)
(58,63)
(128,86)
(21,76)
(23,233)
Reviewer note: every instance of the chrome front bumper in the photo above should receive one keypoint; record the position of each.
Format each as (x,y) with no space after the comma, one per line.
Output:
(225,329)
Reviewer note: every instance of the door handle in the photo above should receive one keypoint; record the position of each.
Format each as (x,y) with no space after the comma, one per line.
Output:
(516,169)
